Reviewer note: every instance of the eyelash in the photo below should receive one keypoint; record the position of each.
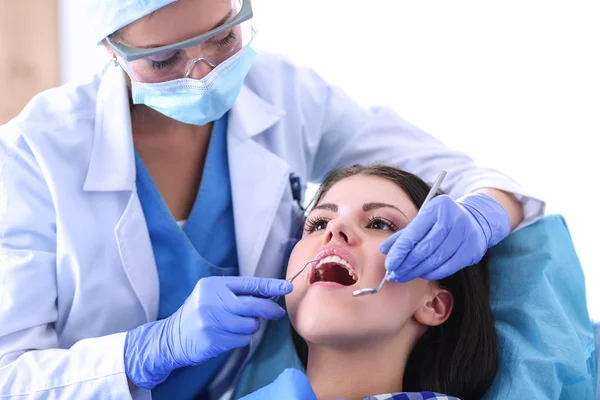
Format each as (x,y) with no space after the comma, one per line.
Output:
(227,39)
(312,223)
(393,226)
(167,63)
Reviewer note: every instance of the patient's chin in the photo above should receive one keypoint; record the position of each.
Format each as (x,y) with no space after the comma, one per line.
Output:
(329,326)
(344,322)
(332,335)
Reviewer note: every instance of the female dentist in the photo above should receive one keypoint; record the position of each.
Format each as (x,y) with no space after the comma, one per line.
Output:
(145,213)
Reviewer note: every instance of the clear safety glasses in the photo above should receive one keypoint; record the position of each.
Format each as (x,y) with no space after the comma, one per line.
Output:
(177,60)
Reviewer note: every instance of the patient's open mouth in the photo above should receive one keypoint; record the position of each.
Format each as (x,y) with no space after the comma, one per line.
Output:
(333,269)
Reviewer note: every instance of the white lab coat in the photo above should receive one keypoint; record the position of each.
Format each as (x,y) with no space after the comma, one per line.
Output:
(76,263)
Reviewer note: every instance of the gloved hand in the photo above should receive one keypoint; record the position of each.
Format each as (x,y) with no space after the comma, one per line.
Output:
(445,237)
(221,314)
(291,384)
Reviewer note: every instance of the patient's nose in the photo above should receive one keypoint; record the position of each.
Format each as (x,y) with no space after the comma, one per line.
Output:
(338,231)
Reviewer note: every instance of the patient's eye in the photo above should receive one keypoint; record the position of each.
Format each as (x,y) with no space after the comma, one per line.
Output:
(383,224)
(315,224)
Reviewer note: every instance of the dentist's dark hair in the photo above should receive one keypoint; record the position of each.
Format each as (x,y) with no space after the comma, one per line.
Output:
(459,357)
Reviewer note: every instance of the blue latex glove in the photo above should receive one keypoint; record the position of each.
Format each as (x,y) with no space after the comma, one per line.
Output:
(221,314)
(290,385)
(445,237)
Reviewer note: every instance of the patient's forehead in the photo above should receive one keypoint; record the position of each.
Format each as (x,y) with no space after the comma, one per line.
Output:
(351,193)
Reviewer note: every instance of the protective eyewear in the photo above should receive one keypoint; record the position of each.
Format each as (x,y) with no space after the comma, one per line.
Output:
(177,60)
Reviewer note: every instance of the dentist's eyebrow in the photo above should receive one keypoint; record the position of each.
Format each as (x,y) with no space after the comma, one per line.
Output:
(327,206)
(218,24)
(374,206)
(222,21)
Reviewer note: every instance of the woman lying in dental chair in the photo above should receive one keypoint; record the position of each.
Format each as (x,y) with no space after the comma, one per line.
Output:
(413,340)
(442,339)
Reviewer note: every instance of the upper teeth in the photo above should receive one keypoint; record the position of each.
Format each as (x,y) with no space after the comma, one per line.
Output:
(337,260)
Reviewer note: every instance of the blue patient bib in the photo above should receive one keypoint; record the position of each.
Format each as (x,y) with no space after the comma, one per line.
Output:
(205,246)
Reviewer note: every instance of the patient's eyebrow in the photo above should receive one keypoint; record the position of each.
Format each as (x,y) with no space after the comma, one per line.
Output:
(327,206)
(375,206)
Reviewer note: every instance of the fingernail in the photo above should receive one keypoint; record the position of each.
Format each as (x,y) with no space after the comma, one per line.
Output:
(287,286)
(393,277)
(280,313)
(387,265)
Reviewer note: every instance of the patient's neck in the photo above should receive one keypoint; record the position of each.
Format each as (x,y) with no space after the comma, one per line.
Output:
(358,372)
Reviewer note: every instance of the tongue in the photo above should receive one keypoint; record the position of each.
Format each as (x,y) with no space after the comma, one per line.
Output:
(336,273)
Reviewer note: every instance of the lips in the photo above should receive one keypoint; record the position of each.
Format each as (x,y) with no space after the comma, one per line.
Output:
(335,265)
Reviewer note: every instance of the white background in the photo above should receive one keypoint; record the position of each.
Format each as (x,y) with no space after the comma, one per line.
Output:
(515,84)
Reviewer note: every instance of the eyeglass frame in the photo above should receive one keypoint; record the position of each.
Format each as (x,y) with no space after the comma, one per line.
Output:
(128,54)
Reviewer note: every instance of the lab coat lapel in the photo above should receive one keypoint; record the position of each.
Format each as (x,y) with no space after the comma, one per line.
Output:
(258,177)
(112,162)
(112,169)
(135,249)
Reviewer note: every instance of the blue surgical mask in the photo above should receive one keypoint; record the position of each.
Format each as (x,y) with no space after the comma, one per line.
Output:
(198,101)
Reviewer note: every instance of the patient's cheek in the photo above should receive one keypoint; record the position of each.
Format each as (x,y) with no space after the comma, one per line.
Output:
(294,261)
(293,299)
(292,304)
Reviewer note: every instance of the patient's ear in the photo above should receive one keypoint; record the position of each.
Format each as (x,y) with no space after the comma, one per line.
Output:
(436,307)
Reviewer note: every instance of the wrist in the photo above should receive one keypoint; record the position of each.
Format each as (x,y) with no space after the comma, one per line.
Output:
(511,204)
(146,364)
(491,216)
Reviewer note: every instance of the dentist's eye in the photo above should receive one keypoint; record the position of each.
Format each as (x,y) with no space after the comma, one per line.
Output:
(165,60)
(227,40)
(315,224)
(382,224)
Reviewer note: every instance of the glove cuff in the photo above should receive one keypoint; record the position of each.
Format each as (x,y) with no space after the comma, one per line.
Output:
(489,214)
(145,365)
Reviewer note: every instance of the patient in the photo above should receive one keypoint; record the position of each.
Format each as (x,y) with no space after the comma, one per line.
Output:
(419,336)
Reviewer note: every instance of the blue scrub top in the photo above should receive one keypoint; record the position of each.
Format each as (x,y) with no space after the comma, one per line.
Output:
(205,246)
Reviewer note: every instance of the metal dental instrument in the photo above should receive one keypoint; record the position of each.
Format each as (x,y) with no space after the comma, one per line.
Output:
(430,195)
(276,298)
